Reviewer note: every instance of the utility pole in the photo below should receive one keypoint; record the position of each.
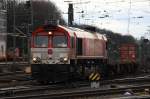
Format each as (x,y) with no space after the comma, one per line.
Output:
(14,32)
(30,26)
(32,14)
(70,14)
(29,5)
(71,11)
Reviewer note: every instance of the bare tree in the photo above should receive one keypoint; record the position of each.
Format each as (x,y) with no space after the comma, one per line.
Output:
(43,11)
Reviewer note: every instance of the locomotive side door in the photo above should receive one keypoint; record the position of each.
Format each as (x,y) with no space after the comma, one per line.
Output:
(79,46)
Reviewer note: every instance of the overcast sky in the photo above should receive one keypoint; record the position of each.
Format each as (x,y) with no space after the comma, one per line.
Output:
(119,16)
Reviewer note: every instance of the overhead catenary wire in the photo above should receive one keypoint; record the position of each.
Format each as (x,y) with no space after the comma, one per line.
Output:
(115,9)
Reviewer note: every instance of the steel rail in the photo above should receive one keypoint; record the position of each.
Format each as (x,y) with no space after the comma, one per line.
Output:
(80,93)
(75,85)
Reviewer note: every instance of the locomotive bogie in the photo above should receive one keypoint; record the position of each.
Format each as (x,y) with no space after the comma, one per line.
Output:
(51,72)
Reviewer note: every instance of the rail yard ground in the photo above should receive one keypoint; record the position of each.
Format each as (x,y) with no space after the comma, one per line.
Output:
(80,91)
(19,85)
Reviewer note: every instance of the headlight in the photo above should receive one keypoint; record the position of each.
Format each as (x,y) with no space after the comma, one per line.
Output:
(65,59)
(36,60)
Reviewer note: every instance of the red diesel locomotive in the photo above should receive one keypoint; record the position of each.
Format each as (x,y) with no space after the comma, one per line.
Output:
(60,53)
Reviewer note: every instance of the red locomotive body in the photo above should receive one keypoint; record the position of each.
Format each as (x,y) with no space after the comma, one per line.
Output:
(58,51)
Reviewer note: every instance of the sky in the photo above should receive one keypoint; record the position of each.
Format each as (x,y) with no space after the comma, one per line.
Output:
(128,17)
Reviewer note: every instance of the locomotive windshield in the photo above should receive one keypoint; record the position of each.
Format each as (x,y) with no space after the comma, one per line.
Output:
(59,41)
(41,41)
(55,40)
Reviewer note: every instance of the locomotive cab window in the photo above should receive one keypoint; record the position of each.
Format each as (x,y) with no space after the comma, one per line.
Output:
(59,41)
(41,41)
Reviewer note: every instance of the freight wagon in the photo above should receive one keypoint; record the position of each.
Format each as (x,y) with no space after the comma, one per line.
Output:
(126,61)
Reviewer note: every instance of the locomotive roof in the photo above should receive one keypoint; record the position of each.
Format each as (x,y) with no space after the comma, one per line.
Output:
(80,33)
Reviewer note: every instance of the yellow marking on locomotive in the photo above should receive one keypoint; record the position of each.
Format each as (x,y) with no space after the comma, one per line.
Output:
(90,77)
(94,76)
(98,78)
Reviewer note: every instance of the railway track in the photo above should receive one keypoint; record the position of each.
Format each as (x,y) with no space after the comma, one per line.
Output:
(74,93)
(6,77)
(83,89)
(18,84)
(128,79)
(134,97)
(10,79)
(21,78)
